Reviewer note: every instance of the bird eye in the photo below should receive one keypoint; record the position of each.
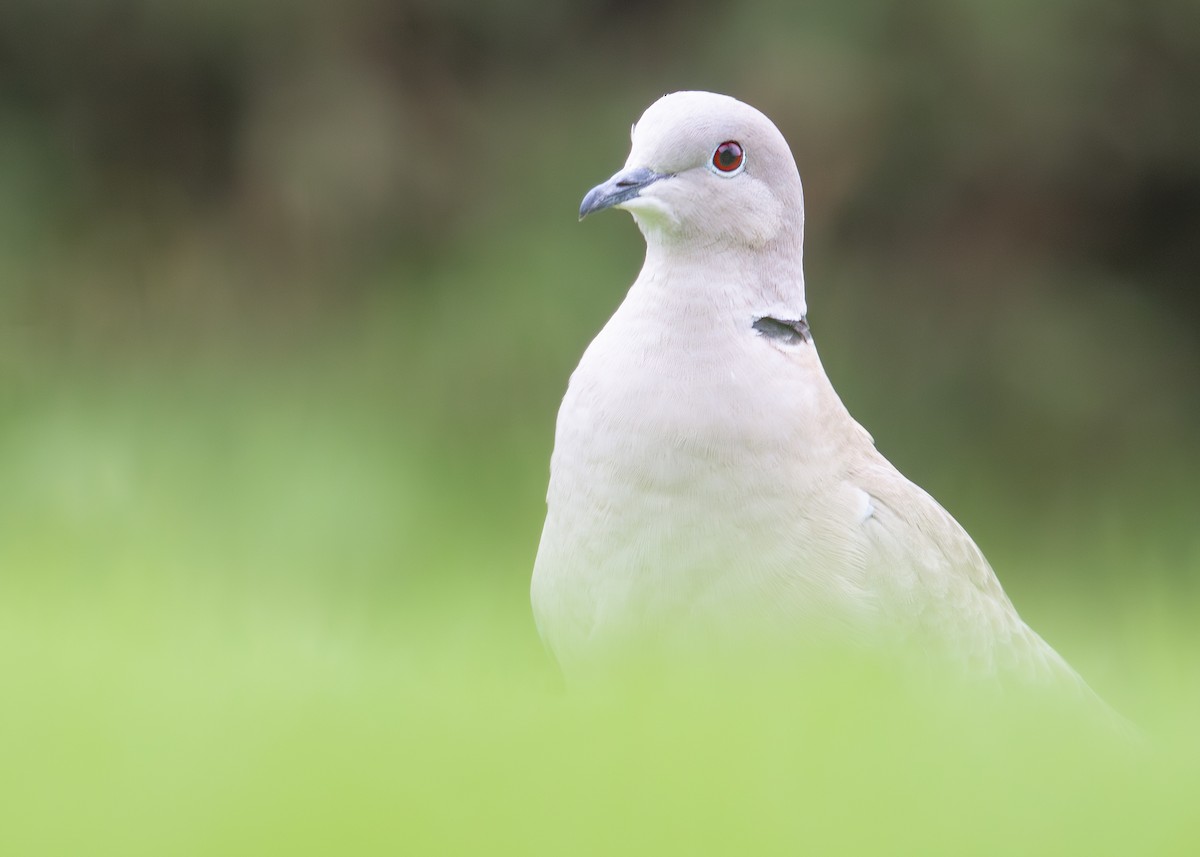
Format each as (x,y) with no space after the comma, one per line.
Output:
(729,157)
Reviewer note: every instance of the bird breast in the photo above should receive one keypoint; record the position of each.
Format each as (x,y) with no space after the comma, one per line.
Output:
(669,480)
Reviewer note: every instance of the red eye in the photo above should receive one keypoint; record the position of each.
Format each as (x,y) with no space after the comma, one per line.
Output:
(728,156)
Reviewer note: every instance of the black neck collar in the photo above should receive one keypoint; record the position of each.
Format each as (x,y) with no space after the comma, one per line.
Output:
(788,332)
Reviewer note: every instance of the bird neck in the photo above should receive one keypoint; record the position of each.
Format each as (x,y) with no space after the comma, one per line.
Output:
(712,276)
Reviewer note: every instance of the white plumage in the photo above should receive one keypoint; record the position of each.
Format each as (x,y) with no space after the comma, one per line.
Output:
(708,487)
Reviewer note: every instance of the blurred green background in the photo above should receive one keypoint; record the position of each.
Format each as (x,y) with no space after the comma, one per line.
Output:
(289,294)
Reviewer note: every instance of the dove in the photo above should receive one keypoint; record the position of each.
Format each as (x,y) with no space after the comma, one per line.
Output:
(708,488)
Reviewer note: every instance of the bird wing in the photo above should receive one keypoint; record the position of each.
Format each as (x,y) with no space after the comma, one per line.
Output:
(941,588)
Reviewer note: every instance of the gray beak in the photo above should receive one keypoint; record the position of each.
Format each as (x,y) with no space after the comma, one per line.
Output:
(624,186)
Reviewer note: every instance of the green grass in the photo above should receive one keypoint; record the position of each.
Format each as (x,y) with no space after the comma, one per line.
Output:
(250,723)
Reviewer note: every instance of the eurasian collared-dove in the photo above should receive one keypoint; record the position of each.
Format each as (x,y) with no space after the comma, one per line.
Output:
(707,484)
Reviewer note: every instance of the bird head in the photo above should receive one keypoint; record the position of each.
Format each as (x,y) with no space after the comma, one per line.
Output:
(706,168)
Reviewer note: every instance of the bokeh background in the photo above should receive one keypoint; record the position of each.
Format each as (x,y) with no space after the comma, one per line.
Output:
(289,294)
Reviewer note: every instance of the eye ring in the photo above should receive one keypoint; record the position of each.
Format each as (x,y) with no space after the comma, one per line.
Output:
(728,159)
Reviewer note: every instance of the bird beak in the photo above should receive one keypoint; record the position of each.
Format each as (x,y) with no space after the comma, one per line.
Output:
(622,187)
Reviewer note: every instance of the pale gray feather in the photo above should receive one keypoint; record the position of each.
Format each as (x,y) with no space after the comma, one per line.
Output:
(707,485)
